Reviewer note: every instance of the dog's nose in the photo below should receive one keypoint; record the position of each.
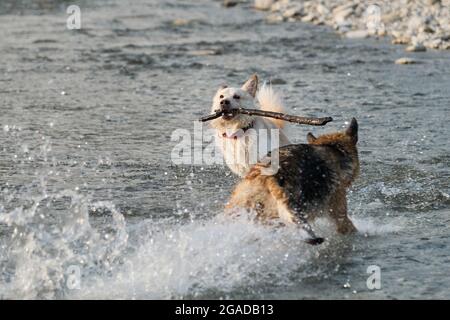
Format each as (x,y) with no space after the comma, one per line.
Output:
(225,102)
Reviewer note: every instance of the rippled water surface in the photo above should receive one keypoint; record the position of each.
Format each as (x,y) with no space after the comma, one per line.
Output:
(86,178)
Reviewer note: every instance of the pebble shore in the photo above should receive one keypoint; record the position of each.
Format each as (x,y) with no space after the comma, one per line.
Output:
(418,24)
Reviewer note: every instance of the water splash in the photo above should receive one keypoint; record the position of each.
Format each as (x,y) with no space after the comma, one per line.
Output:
(220,254)
(42,246)
(157,259)
(45,231)
(217,257)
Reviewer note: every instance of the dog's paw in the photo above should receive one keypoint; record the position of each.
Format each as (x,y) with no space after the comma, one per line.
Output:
(315,241)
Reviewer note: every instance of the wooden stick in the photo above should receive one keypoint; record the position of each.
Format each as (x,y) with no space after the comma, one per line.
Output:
(271,114)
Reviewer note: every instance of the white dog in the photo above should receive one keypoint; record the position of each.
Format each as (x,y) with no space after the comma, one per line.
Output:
(243,139)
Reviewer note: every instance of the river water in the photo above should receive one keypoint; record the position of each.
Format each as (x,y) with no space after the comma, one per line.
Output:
(92,207)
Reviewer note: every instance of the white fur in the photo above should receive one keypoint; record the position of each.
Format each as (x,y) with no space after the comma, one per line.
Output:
(270,100)
(241,153)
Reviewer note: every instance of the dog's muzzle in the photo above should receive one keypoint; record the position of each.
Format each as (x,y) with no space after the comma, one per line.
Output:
(228,116)
(225,107)
(228,113)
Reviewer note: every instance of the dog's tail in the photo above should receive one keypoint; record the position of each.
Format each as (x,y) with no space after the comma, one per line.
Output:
(270,100)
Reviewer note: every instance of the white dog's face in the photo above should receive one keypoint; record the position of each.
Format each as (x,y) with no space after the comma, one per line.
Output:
(227,99)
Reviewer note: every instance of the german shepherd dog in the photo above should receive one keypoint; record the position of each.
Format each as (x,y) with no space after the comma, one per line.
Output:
(311,181)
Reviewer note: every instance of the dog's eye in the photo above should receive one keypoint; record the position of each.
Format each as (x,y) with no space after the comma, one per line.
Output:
(236,97)
(221,96)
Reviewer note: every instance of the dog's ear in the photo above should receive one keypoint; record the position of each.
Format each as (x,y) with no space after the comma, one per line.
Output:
(251,85)
(310,137)
(352,130)
(224,86)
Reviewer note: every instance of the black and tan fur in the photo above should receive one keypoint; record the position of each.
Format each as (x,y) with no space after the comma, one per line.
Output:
(311,181)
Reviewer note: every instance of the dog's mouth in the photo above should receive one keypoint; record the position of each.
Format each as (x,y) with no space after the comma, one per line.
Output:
(228,116)
(227,112)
